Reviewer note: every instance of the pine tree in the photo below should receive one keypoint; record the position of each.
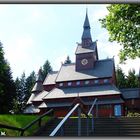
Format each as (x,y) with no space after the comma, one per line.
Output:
(7,85)
(120,76)
(21,92)
(30,81)
(46,69)
(67,61)
(132,79)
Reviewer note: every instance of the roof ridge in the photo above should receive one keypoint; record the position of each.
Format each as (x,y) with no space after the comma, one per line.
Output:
(129,88)
(73,63)
(52,72)
(107,59)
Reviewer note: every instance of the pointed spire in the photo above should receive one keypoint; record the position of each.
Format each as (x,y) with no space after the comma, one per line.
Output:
(86,36)
(38,87)
(86,23)
(39,77)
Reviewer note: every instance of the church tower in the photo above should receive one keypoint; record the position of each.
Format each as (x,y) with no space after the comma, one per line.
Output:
(86,52)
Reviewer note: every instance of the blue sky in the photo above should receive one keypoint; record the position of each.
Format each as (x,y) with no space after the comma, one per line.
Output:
(31,34)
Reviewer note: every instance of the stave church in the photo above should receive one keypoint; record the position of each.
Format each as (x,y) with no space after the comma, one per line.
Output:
(83,81)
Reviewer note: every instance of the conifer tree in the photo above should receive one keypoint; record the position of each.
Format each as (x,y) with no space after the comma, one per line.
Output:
(67,61)
(30,81)
(132,79)
(7,85)
(120,77)
(46,69)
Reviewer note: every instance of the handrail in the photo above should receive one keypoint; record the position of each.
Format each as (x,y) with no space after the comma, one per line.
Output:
(40,117)
(64,120)
(70,113)
(27,126)
(36,120)
(10,127)
(93,104)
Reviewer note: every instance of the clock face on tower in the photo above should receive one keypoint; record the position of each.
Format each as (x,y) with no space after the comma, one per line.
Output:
(84,61)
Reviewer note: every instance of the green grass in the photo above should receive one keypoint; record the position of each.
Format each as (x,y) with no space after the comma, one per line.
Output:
(20,121)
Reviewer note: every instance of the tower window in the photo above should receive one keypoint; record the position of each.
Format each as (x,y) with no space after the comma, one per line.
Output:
(86,82)
(96,81)
(78,83)
(60,84)
(69,83)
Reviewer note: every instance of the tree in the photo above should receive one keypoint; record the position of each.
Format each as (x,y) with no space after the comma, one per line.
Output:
(30,81)
(67,61)
(120,77)
(132,79)
(7,85)
(46,69)
(21,93)
(123,24)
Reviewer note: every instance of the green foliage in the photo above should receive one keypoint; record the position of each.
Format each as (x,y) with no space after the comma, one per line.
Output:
(7,85)
(120,77)
(67,61)
(133,114)
(23,91)
(20,121)
(123,25)
(46,69)
(30,81)
(129,81)
(132,79)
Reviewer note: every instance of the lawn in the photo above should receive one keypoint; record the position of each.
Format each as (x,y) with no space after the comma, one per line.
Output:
(20,121)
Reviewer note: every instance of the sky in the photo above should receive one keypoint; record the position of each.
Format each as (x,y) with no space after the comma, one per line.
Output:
(34,33)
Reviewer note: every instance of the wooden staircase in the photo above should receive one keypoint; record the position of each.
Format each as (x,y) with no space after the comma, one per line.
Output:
(103,127)
(117,127)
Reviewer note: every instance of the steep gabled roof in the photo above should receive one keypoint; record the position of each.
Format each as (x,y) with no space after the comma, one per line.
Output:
(99,90)
(30,99)
(81,50)
(38,87)
(40,95)
(50,78)
(102,69)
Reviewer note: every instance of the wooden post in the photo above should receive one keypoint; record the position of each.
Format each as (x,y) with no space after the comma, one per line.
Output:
(92,127)
(39,122)
(62,130)
(22,132)
(87,126)
(96,110)
(79,121)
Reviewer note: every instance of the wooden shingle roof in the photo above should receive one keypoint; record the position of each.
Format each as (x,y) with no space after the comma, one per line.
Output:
(102,69)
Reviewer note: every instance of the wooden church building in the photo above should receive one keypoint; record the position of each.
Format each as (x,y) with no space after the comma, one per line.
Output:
(86,79)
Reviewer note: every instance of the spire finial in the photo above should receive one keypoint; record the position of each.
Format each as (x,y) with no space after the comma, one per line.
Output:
(86,10)
(86,33)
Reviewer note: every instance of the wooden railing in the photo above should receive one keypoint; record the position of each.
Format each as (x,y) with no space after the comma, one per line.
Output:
(22,130)
(91,111)
(80,109)
(60,125)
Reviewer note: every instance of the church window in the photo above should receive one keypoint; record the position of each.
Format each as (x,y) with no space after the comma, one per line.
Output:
(69,83)
(61,84)
(78,83)
(86,82)
(96,81)
(106,81)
